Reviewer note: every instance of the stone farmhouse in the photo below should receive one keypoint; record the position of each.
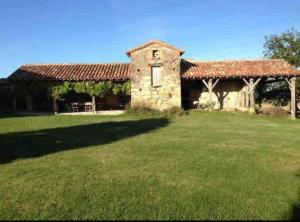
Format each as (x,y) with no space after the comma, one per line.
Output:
(160,78)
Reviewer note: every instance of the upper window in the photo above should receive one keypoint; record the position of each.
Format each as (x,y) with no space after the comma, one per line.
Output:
(155,53)
(156,75)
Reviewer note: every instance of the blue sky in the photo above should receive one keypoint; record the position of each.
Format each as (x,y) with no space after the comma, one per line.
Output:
(95,31)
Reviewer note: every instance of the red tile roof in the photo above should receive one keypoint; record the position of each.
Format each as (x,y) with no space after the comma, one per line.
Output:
(189,70)
(151,42)
(242,68)
(72,72)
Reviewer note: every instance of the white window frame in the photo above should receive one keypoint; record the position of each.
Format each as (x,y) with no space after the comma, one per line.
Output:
(156,76)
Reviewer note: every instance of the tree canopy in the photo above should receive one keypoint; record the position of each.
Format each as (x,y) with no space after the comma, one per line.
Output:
(284,46)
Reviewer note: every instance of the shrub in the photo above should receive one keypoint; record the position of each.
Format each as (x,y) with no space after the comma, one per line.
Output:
(175,111)
(140,109)
(143,109)
(275,111)
(207,106)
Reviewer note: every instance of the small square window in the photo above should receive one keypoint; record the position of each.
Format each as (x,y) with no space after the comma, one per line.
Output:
(155,53)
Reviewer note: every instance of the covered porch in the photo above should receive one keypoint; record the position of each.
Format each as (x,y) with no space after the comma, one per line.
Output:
(235,84)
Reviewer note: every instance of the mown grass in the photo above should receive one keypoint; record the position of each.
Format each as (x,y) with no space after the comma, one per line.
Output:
(201,166)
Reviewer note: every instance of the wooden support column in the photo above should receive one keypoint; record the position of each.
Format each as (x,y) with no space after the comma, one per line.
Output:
(14,97)
(210,86)
(29,102)
(252,84)
(247,97)
(14,103)
(292,86)
(55,107)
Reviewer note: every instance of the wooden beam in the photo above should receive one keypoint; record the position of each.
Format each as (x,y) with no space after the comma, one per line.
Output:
(247,83)
(289,83)
(293,97)
(205,83)
(216,82)
(256,82)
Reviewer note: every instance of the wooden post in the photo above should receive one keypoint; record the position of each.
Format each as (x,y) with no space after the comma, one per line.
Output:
(29,102)
(210,86)
(251,91)
(14,103)
(55,107)
(247,97)
(251,84)
(292,85)
(94,103)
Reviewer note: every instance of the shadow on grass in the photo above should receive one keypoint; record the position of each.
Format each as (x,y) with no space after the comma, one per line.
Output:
(23,114)
(295,212)
(47,141)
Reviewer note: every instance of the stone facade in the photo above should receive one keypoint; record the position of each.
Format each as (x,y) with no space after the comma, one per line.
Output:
(168,94)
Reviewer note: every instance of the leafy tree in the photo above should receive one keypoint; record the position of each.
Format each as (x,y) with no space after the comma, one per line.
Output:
(59,90)
(93,89)
(121,88)
(284,46)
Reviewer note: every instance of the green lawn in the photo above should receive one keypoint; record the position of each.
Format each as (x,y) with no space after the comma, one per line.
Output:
(204,165)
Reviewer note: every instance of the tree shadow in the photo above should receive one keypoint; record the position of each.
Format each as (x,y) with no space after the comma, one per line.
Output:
(43,142)
(221,95)
(295,211)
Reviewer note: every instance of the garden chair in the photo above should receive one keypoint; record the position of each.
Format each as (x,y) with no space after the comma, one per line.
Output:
(88,107)
(74,107)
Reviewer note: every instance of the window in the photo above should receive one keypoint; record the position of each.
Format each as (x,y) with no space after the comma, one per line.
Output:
(155,53)
(156,75)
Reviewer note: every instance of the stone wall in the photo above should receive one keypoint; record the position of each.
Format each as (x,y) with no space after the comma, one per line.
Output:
(142,92)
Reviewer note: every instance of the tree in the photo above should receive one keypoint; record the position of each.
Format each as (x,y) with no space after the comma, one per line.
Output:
(284,46)
(121,88)
(58,91)
(93,89)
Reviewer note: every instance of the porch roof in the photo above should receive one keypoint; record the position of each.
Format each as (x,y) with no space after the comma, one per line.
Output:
(121,71)
(72,72)
(237,69)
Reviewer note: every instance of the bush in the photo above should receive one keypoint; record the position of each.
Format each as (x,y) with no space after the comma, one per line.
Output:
(143,109)
(275,111)
(175,111)
(207,106)
(140,109)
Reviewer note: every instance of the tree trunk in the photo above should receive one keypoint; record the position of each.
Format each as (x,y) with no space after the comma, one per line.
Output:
(55,107)
(94,103)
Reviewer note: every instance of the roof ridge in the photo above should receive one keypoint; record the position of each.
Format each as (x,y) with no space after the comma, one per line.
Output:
(51,64)
(232,60)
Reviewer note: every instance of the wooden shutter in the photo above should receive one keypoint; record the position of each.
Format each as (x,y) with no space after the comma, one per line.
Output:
(156,76)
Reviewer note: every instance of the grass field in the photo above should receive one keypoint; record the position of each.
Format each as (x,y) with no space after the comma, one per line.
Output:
(204,165)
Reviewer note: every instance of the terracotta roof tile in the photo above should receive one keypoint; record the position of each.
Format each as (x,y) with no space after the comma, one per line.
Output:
(237,68)
(72,72)
(189,70)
